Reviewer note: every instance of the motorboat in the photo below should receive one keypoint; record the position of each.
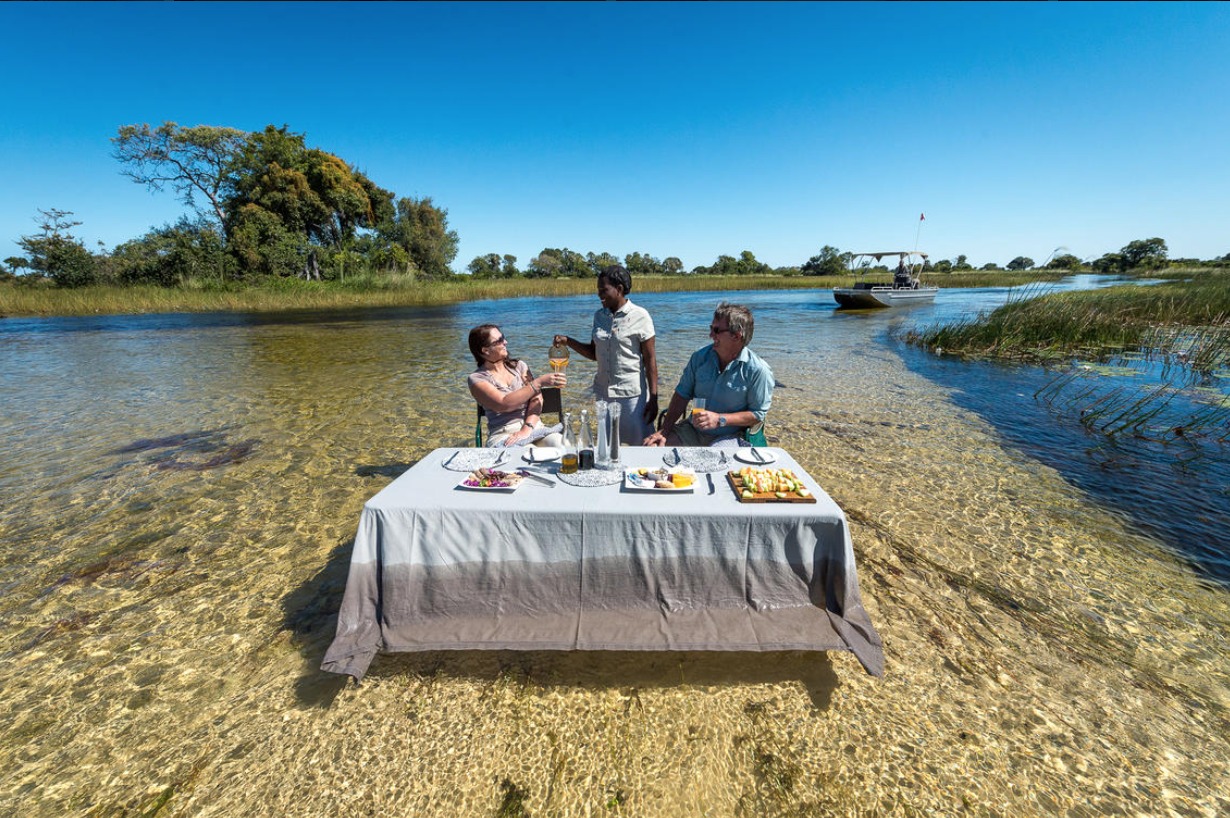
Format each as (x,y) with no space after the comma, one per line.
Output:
(905,287)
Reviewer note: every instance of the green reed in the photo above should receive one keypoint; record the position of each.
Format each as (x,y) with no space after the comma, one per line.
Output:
(1043,327)
(1183,325)
(371,290)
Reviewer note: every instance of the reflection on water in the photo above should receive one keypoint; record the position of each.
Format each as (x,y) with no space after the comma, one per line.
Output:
(177,501)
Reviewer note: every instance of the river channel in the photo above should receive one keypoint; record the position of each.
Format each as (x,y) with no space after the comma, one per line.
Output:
(179,494)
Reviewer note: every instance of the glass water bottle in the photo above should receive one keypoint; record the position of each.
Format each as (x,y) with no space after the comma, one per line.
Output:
(568,463)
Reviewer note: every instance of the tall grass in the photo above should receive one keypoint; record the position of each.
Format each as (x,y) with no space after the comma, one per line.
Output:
(1180,330)
(366,289)
(1089,322)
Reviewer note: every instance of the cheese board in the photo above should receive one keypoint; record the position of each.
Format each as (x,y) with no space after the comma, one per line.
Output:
(769,486)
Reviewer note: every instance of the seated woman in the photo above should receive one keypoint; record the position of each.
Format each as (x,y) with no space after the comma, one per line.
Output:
(510,396)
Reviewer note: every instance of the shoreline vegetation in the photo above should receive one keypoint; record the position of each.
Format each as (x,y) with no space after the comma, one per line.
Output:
(363,291)
(1175,335)
(1040,327)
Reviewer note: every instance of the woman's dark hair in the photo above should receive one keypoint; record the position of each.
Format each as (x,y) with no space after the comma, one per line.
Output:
(478,340)
(617,276)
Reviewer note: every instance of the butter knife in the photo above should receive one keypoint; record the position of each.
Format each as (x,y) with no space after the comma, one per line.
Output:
(711,488)
(548,483)
(450,459)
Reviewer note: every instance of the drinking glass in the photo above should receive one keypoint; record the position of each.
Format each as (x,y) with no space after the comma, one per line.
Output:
(698,406)
(558,358)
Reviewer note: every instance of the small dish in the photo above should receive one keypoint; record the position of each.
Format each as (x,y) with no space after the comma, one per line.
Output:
(634,481)
(542,454)
(746,456)
(500,480)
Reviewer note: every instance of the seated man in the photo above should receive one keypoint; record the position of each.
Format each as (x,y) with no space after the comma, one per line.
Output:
(735,382)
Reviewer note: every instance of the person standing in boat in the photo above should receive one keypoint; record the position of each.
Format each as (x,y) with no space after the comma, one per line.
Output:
(735,382)
(622,344)
(901,278)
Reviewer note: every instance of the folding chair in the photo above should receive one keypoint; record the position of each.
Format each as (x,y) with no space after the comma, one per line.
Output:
(552,401)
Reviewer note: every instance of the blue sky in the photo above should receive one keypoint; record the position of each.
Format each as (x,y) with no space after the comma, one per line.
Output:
(689,130)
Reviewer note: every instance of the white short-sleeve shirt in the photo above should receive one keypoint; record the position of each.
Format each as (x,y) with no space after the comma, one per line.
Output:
(617,345)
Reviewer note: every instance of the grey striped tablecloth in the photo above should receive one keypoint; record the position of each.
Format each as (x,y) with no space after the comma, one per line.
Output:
(436,567)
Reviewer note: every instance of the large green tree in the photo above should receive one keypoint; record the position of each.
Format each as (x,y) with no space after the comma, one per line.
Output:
(285,202)
(421,229)
(643,264)
(487,266)
(1149,253)
(1067,261)
(1021,263)
(195,161)
(828,262)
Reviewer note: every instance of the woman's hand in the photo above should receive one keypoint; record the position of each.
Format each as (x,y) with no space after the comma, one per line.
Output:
(655,439)
(551,379)
(519,435)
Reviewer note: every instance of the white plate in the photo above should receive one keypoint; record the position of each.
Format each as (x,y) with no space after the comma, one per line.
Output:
(634,482)
(513,487)
(542,454)
(747,457)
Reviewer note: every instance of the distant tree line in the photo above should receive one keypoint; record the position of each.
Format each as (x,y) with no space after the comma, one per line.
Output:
(554,262)
(265,205)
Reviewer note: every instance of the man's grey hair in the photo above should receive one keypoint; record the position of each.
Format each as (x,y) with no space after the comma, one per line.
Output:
(738,319)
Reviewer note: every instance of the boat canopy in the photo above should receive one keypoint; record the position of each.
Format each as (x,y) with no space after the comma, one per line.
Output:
(903,253)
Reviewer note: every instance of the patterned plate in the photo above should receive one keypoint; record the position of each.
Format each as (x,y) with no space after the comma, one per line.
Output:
(471,459)
(592,478)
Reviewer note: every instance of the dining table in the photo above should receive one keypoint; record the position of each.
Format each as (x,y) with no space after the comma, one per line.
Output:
(606,565)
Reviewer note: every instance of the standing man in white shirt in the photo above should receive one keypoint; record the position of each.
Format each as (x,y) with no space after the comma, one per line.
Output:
(622,344)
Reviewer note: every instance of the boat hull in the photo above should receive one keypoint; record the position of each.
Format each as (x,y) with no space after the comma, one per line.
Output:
(876,297)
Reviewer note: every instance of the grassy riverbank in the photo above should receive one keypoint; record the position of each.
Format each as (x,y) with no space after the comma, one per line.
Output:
(401,291)
(1096,322)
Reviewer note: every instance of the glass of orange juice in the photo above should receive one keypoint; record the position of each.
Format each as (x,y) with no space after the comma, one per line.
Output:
(698,406)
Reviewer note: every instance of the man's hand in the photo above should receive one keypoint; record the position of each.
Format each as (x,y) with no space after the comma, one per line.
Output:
(650,415)
(705,419)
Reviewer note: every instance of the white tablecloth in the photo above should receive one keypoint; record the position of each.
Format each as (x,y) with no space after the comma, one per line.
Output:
(567,568)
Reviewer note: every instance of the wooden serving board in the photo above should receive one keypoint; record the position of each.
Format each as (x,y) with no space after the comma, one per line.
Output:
(736,483)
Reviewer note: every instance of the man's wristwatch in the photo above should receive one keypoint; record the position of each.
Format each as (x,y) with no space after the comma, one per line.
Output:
(721,420)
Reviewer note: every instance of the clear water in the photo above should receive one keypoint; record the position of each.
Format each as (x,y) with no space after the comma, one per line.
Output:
(178,496)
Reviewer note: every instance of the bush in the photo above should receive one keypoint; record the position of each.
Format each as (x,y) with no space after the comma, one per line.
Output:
(64,260)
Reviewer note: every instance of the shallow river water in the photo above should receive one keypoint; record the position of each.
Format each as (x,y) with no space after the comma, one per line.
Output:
(178,497)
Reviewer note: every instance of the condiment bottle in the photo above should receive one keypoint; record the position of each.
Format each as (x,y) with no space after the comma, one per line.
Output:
(585,444)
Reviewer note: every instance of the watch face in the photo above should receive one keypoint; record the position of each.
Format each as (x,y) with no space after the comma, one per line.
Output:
(721,420)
